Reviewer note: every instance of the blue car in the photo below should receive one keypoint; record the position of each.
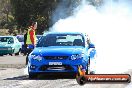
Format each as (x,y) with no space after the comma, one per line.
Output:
(61,53)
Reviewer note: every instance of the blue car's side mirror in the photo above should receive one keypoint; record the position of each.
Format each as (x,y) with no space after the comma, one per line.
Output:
(91,45)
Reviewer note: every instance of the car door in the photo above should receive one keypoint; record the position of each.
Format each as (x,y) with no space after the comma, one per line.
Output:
(91,47)
(17,45)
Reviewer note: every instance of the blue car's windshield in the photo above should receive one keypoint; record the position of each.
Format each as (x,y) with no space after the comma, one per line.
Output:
(61,40)
(38,36)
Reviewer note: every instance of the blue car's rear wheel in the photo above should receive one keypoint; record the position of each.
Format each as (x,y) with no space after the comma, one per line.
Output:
(88,67)
(88,70)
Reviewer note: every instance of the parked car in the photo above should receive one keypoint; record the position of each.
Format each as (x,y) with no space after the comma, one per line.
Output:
(9,45)
(24,49)
(61,53)
(21,40)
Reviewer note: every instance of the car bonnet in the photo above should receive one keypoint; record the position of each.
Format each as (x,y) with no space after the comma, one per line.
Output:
(55,51)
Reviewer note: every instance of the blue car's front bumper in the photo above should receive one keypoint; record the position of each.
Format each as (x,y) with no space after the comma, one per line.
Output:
(67,66)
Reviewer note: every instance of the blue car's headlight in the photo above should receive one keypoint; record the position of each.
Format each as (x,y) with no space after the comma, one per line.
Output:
(77,56)
(38,58)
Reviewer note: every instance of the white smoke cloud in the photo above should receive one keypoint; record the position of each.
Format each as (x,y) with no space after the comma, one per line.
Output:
(110,29)
(26,70)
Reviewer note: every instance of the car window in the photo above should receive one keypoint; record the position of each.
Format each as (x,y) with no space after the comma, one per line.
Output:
(61,40)
(3,39)
(6,39)
(16,40)
(20,38)
(38,36)
(10,40)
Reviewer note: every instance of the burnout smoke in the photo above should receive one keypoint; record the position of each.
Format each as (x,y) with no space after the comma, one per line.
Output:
(109,27)
(26,70)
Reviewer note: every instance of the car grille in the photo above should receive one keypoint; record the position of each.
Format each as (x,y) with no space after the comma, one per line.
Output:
(55,57)
(55,67)
(3,48)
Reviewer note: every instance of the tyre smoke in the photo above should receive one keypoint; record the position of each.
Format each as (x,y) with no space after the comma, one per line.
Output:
(109,27)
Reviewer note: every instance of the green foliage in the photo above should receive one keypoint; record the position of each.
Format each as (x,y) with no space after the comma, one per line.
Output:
(7,21)
(3,32)
(41,11)
(17,14)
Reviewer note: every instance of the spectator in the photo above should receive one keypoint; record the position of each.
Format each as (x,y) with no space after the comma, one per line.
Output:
(31,39)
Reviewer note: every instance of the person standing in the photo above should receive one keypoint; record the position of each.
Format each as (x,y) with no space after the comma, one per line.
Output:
(31,39)
(31,36)
(25,45)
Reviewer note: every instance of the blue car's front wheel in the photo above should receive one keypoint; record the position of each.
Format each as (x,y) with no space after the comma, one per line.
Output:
(32,75)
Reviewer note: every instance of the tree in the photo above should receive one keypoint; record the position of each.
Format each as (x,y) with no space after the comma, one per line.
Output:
(5,10)
(41,11)
(25,11)
(45,12)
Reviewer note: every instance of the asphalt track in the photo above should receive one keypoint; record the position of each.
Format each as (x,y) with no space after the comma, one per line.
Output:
(13,75)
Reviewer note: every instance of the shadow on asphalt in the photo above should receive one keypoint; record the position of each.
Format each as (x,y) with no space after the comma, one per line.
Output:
(42,77)
(24,77)
(2,69)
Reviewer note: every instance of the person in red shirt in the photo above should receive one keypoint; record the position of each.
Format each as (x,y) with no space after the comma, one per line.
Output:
(31,39)
(31,36)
